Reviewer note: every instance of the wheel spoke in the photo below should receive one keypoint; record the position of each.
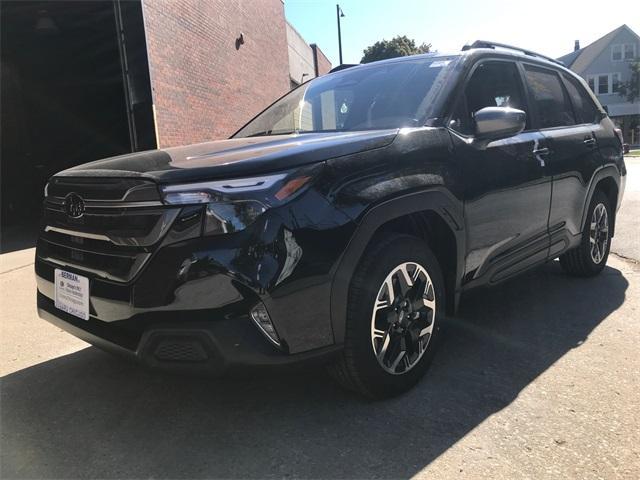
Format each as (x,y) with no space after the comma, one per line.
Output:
(391,296)
(397,360)
(385,345)
(405,273)
(426,330)
(430,304)
(378,333)
(416,274)
(381,304)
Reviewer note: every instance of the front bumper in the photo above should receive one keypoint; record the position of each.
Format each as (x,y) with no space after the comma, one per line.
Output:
(201,347)
(186,304)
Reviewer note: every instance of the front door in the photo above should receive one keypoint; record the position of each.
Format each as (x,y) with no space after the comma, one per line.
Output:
(507,191)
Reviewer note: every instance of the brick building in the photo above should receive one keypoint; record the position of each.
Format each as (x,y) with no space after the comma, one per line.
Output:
(83,80)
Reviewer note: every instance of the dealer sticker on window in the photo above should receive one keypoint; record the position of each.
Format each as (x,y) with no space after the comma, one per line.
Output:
(72,293)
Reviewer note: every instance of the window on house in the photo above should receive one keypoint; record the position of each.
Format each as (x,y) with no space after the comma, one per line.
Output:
(616,52)
(583,106)
(629,51)
(615,82)
(603,84)
(626,51)
(553,107)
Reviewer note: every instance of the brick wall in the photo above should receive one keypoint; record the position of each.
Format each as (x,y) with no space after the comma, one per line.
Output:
(203,87)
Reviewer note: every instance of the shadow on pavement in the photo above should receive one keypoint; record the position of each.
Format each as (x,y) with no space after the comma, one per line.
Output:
(89,415)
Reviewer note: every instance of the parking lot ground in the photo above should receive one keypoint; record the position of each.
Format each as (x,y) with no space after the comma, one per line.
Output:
(537,378)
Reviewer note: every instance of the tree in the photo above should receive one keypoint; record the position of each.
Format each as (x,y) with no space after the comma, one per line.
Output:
(631,89)
(400,46)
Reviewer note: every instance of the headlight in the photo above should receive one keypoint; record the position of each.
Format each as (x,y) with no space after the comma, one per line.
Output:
(231,217)
(205,192)
(233,205)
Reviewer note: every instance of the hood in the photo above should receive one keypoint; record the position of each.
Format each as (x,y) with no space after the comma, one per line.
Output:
(236,157)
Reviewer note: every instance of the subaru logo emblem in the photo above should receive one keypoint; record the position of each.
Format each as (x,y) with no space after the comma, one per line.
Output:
(74,205)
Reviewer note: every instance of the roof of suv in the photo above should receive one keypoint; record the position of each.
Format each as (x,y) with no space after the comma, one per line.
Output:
(477,48)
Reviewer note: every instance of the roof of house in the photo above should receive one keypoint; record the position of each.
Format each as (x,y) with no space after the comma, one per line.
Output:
(581,59)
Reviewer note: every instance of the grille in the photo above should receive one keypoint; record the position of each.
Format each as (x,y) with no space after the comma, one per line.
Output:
(123,222)
(104,189)
(180,351)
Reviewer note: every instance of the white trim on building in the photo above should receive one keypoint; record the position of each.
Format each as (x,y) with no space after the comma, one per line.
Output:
(604,83)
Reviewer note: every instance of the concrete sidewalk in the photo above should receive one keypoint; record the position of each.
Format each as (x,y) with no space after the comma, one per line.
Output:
(627,239)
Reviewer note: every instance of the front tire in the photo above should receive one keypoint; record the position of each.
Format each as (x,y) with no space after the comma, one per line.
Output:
(590,257)
(394,314)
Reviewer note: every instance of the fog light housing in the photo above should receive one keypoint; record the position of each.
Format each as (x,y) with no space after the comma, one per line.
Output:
(261,318)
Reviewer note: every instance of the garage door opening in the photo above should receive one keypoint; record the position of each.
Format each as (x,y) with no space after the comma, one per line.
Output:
(75,88)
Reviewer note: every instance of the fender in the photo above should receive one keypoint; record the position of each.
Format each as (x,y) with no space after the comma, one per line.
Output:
(437,200)
(611,171)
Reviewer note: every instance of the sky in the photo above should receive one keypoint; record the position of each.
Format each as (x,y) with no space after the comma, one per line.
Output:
(548,27)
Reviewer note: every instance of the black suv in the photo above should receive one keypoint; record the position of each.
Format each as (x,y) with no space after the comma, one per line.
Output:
(341,224)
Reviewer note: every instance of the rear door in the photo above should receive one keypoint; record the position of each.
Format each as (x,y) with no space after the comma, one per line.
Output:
(506,188)
(568,120)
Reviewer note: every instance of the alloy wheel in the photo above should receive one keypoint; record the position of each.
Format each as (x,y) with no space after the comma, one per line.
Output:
(403,318)
(599,233)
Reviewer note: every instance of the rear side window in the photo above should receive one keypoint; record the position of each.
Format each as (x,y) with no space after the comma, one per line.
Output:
(549,97)
(585,110)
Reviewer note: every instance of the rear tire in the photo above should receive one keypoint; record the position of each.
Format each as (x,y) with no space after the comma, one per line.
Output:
(382,325)
(590,257)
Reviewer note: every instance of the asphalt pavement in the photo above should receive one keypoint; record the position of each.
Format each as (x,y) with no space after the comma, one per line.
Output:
(537,378)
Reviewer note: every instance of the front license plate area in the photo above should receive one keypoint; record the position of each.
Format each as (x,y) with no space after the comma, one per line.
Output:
(72,293)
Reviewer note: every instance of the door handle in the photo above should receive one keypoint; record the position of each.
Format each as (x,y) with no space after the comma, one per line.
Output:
(589,141)
(539,153)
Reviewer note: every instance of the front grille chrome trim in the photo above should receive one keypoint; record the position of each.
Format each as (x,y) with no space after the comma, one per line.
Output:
(75,233)
(107,203)
(135,268)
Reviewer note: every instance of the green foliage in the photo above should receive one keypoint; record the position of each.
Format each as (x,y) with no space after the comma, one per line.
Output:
(631,89)
(400,46)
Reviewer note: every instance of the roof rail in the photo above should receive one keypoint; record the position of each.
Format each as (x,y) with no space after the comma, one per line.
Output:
(488,44)
(342,67)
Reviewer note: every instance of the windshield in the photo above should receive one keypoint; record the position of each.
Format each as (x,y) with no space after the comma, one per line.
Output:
(389,95)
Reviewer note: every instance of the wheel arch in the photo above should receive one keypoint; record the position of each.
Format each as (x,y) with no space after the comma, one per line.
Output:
(434,215)
(607,180)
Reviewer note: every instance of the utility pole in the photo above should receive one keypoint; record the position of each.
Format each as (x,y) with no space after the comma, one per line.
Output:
(339,14)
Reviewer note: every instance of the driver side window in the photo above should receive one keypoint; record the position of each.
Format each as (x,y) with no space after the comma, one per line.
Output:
(493,84)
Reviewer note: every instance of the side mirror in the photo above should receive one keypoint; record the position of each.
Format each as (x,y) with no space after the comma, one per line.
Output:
(493,123)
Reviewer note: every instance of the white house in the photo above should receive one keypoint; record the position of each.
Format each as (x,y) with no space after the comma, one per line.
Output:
(605,64)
